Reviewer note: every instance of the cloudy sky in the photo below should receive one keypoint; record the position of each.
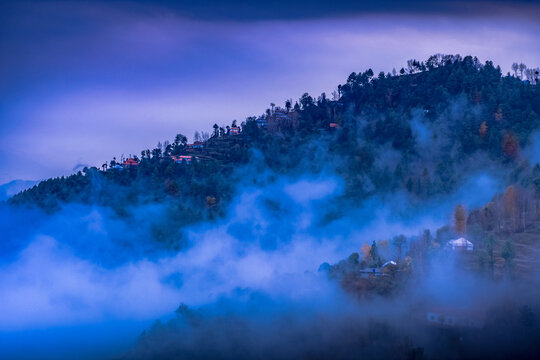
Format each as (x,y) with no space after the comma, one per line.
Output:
(82,82)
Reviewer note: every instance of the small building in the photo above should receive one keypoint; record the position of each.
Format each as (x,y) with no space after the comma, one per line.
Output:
(198,145)
(235,130)
(187,159)
(130,162)
(460,244)
(368,273)
(261,122)
(283,120)
(334,125)
(116,167)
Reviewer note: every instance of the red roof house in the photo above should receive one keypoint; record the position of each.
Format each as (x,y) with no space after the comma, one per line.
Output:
(130,162)
(184,158)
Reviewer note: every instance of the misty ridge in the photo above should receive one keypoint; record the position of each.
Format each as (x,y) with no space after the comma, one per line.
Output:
(269,236)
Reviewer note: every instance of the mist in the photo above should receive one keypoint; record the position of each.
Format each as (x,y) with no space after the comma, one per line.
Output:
(85,266)
(88,272)
(324,229)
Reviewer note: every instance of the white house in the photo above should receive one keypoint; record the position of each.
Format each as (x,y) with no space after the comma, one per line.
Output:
(460,244)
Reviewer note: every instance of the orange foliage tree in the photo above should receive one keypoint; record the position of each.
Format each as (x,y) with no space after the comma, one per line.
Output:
(511,209)
(365,250)
(483,130)
(460,219)
(510,145)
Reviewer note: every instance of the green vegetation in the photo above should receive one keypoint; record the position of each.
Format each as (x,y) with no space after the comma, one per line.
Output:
(420,132)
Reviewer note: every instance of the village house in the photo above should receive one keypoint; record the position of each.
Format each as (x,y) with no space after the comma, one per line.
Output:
(235,130)
(261,122)
(116,167)
(460,244)
(179,159)
(130,162)
(198,145)
(371,272)
(195,145)
(282,119)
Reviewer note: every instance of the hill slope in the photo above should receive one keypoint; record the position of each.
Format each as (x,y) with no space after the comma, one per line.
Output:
(423,133)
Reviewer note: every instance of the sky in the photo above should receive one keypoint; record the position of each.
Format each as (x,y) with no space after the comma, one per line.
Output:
(82,82)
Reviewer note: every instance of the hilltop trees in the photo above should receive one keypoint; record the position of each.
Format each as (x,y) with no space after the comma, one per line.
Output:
(420,133)
(515,68)
(179,144)
(531,74)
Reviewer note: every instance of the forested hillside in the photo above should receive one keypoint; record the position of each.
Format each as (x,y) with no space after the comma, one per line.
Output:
(422,131)
(398,217)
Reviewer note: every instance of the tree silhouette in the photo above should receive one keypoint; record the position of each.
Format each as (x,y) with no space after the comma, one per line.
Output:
(398,242)
(288,105)
(515,68)
(374,254)
(522,68)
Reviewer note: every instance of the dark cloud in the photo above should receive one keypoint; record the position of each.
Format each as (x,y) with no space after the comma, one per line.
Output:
(78,73)
(243,10)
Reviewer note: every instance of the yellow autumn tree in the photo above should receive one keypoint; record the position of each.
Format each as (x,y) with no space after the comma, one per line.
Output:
(365,250)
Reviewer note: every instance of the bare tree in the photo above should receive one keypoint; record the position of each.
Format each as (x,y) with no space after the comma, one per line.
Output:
(522,68)
(515,68)
(531,75)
